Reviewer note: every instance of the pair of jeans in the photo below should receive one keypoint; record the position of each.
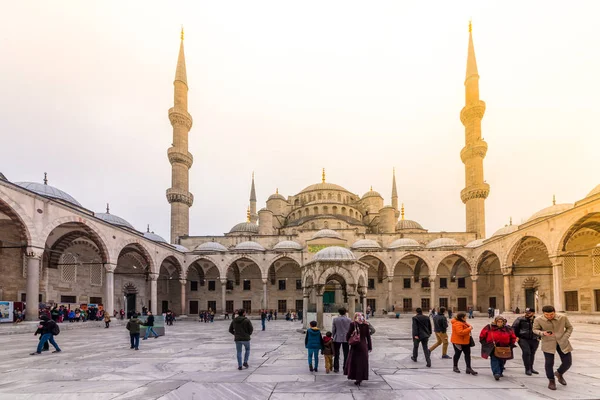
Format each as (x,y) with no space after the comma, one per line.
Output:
(313,353)
(148,330)
(442,338)
(134,338)
(262,321)
(497,364)
(336,357)
(565,362)
(238,349)
(47,337)
(423,342)
(528,348)
(464,348)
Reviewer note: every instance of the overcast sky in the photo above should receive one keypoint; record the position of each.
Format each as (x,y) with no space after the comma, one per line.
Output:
(286,88)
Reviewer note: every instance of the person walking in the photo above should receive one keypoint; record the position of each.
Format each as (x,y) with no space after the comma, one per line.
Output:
(357,366)
(48,328)
(528,341)
(150,326)
(313,341)
(241,328)
(328,351)
(421,331)
(263,318)
(471,313)
(106,319)
(493,337)
(339,329)
(440,327)
(133,326)
(461,341)
(555,331)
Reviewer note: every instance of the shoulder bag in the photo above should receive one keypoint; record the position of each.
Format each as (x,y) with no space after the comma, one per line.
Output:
(355,336)
(500,352)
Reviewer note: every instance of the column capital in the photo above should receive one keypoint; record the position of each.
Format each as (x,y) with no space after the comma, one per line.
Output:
(183,281)
(153,276)
(109,268)
(265,281)
(432,278)
(223,281)
(319,289)
(506,270)
(390,278)
(34,252)
(474,278)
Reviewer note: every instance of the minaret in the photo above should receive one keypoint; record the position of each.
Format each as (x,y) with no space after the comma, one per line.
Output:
(180,158)
(472,155)
(253,216)
(394,191)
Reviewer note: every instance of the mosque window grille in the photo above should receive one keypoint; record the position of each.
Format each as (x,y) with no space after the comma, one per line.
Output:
(96,274)
(596,261)
(570,267)
(68,268)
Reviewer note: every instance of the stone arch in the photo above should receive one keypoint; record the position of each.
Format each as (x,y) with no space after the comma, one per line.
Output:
(243,257)
(530,282)
(135,246)
(530,251)
(383,270)
(15,212)
(590,221)
(336,270)
(514,244)
(130,288)
(485,256)
(416,267)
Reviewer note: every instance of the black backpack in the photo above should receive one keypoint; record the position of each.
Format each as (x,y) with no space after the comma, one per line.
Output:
(55,329)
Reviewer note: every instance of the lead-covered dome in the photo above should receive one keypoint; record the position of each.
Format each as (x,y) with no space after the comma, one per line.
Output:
(154,237)
(114,220)
(245,227)
(249,246)
(327,233)
(442,242)
(550,211)
(406,224)
(181,248)
(506,230)
(323,186)
(371,193)
(404,242)
(287,245)
(48,191)
(474,243)
(366,244)
(211,247)
(276,196)
(334,253)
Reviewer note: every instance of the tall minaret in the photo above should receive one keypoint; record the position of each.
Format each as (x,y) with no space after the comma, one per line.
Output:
(253,216)
(180,158)
(472,155)
(394,191)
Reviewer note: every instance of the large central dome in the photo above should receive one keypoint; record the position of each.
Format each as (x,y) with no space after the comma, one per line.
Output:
(323,186)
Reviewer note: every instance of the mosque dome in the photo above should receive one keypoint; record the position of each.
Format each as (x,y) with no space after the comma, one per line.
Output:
(326,233)
(244,227)
(323,186)
(154,237)
(287,245)
(181,248)
(249,246)
(371,193)
(48,191)
(474,243)
(442,242)
(366,244)
(408,224)
(211,247)
(404,242)
(114,220)
(334,253)
(550,211)
(506,230)
(276,196)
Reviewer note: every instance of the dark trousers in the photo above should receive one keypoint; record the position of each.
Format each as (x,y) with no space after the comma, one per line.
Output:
(262,321)
(565,362)
(423,343)
(464,348)
(528,347)
(135,340)
(336,358)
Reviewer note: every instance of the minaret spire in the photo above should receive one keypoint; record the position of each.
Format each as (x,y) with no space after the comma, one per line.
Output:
(181,159)
(253,216)
(476,189)
(394,191)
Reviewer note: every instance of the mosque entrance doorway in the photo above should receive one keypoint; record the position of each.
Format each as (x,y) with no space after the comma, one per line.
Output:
(530,298)
(130,303)
(329,297)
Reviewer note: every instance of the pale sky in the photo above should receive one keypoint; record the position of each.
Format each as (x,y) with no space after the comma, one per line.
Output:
(286,88)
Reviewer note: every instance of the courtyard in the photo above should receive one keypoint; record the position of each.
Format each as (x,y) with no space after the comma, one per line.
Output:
(197,361)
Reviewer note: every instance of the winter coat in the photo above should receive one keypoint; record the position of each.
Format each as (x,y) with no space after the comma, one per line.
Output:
(461,332)
(440,323)
(106,317)
(133,325)
(357,365)
(328,348)
(421,326)
(149,320)
(562,329)
(523,328)
(241,328)
(340,328)
(313,339)
(491,336)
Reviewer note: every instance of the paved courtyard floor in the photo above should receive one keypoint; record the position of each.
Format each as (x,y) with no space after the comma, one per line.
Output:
(197,361)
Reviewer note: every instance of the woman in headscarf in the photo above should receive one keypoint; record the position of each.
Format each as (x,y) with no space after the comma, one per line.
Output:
(357,367)
(497,334)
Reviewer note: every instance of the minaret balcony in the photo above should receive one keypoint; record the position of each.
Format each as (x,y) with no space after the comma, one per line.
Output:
(180,196)
(477,149)
(178,156)
(472,111)
(479,191)
(178,116)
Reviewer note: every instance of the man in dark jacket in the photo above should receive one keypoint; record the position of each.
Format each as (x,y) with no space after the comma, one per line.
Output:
(150,326)
(133,326)
(241,329)
(339,328)
(263,318)
(528,341)
(421,331)
(47,328)
(440,326)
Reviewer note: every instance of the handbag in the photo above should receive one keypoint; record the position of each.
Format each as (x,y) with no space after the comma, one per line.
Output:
(354,337)
(471,342)
(500,352)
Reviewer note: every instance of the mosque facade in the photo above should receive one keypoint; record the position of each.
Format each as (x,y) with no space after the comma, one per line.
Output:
(319,249)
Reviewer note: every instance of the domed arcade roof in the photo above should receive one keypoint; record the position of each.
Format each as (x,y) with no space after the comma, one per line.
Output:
(211,247)
(287,245)
(245,227)
(442,242)
(249,246)
(334,253)
(474,243)
(404,242)
(181,248)
(550,211)
(506,230)
(114,220)
(154,237)
(48,191)
(366,244)
(408,224)
(326,233)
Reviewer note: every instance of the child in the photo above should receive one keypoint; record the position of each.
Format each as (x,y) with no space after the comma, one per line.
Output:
(313,342)
(328,351)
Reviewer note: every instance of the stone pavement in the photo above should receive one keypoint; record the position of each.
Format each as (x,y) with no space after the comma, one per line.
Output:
(197,361)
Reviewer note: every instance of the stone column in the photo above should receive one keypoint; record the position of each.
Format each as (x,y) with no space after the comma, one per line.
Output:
(265,303)
(153,293)
(364,301)
(390,294)
(319,294)
(223,293)
(351,304)
(183,296)
(557,276)
(109,288)
(305,308)
(506,274)
(34,257)
(432,283)
(474,284)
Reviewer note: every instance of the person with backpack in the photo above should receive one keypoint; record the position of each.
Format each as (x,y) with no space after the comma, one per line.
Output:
(48,329)
(133,326)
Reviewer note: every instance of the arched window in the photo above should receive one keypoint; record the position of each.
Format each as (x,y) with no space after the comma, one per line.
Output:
(325,210)
(339,225)
(343,210)
(307,212)
(300,214)
(335,210)
(320,196)
(339,197)
(329,196)
(316,210)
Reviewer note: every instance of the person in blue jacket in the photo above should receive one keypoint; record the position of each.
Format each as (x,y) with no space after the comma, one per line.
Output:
(314,343)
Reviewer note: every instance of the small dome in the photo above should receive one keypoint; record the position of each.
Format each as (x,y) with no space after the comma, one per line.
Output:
(249,246)
(276,196)
(334,253)
(287,245)
(181,248)
(550,211)
(244,227)
(114,220)
(154,237)
(366,244)
(327,233)
(506,230)
(404,242)
(474,243)
(408,224)
(442,242)
(371,193)
(48,191)
(211,247)
(594,191)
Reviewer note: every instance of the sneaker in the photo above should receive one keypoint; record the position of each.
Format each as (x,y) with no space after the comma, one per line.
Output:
(240,368)
(245,365)
(446,357)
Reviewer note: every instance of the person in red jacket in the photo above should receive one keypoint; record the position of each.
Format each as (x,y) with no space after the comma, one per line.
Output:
(496,334)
